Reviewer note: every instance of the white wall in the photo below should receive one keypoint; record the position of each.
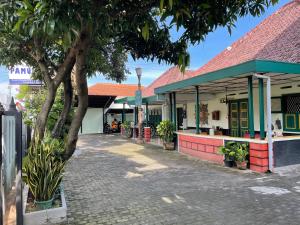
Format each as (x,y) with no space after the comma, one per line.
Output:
(214,104)
(93,121)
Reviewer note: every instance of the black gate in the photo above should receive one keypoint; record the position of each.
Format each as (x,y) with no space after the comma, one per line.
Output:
(20,139)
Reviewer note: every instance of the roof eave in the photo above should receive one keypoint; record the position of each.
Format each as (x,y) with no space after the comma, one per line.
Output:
(253,66)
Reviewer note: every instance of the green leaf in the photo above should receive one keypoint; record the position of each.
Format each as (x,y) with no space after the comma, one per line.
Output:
(161,5)
(171,4)
(145,32)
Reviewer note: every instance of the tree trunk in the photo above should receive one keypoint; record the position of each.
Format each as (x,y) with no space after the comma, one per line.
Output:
(82,94)
(58,129)
(42,118)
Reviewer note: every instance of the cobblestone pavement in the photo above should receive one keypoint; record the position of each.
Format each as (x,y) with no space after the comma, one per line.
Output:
(111,180)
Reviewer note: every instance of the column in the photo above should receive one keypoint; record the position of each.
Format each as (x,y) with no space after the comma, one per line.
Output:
(174,111)
(261,109)
(147,114)
(171,107)
(123,113)
(250,108)
(197,111)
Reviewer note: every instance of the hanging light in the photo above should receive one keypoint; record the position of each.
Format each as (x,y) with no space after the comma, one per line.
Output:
(225,100)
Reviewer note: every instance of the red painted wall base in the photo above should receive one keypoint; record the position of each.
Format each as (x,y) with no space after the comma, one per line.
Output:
(202,148)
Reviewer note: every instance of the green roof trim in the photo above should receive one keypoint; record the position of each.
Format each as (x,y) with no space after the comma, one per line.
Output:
(131,100)
(124,100)
(253,66)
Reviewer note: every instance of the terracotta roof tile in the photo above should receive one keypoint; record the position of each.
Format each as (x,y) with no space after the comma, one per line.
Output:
(277,38)
(170,76)
(107,89)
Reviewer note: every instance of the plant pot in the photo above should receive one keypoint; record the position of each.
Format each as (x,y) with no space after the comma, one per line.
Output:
(169,146)
(128,133)
(41,205)
(242,165)
(228,163)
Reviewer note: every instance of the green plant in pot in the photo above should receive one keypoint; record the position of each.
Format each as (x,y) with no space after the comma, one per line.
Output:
(241,155)
(229,151)
(126,125)
(165,131)
(43,171)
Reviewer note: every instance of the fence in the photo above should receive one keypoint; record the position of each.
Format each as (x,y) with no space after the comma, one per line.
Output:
(13,142)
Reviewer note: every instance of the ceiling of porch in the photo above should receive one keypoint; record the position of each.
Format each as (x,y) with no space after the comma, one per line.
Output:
(239,83)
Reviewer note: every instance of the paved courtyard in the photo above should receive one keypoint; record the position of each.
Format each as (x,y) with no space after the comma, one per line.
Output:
(111,180)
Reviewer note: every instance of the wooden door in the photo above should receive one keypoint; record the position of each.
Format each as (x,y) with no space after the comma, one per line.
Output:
(238,111)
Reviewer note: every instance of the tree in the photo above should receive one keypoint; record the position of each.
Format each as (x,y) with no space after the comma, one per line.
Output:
(57,35)
(33,99)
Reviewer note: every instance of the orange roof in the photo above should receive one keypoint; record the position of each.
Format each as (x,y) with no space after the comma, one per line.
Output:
(170,76)
(107,89)
(277,38)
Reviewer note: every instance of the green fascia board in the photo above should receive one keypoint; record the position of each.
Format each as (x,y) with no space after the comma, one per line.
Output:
(125,100)
(253,66)
(150,99)
(268,66)
(131,100)
(120,100)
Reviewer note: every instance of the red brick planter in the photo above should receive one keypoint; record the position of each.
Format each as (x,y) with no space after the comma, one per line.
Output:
(147,134)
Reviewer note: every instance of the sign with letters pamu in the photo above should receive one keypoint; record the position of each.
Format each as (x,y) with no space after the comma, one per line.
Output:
(21,74)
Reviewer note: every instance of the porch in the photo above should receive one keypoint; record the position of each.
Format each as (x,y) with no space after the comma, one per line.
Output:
(255,102)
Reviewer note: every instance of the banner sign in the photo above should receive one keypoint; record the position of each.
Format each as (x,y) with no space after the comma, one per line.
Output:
(138,98)
(21,74)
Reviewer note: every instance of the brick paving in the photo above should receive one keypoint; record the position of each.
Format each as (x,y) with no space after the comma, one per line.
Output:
(111,180)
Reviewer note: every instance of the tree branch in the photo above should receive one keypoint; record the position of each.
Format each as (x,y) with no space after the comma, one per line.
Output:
(39,57)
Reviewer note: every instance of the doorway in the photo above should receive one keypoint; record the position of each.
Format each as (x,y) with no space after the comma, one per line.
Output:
(180,116)
(238,112)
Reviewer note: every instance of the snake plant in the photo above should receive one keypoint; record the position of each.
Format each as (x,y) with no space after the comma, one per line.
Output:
(43,170)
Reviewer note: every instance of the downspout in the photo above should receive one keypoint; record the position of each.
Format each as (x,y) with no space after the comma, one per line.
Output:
(269,120)
(104,113)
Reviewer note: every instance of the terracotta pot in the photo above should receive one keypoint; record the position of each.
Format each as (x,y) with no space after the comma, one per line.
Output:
(169,146)
(241,165)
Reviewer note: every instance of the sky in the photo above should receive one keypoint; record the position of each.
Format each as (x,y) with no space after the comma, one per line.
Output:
(201,53)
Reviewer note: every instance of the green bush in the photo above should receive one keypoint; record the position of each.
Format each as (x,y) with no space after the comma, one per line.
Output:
(43,168)
(242,152)
(126,125)
(165,131)
(235,151)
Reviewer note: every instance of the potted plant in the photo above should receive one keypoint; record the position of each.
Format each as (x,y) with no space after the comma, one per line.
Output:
(165,131)
(43,171)
(242,152)
(229,151)
(126,125)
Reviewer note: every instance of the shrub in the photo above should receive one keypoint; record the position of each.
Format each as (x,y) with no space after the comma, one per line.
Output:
(126,125)
(235,151)
(165,131)
(242,152)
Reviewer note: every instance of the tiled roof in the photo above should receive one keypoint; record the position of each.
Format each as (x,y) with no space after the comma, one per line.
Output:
(277,38)
(170,76)
(107,89)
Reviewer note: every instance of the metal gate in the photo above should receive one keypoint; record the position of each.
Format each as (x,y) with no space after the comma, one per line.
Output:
(12,146)
(8,152)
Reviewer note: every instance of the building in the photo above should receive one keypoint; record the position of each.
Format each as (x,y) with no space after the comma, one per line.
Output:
(101,106)
(250,92)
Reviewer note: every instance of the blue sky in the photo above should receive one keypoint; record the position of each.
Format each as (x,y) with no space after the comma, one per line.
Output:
(214,43)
